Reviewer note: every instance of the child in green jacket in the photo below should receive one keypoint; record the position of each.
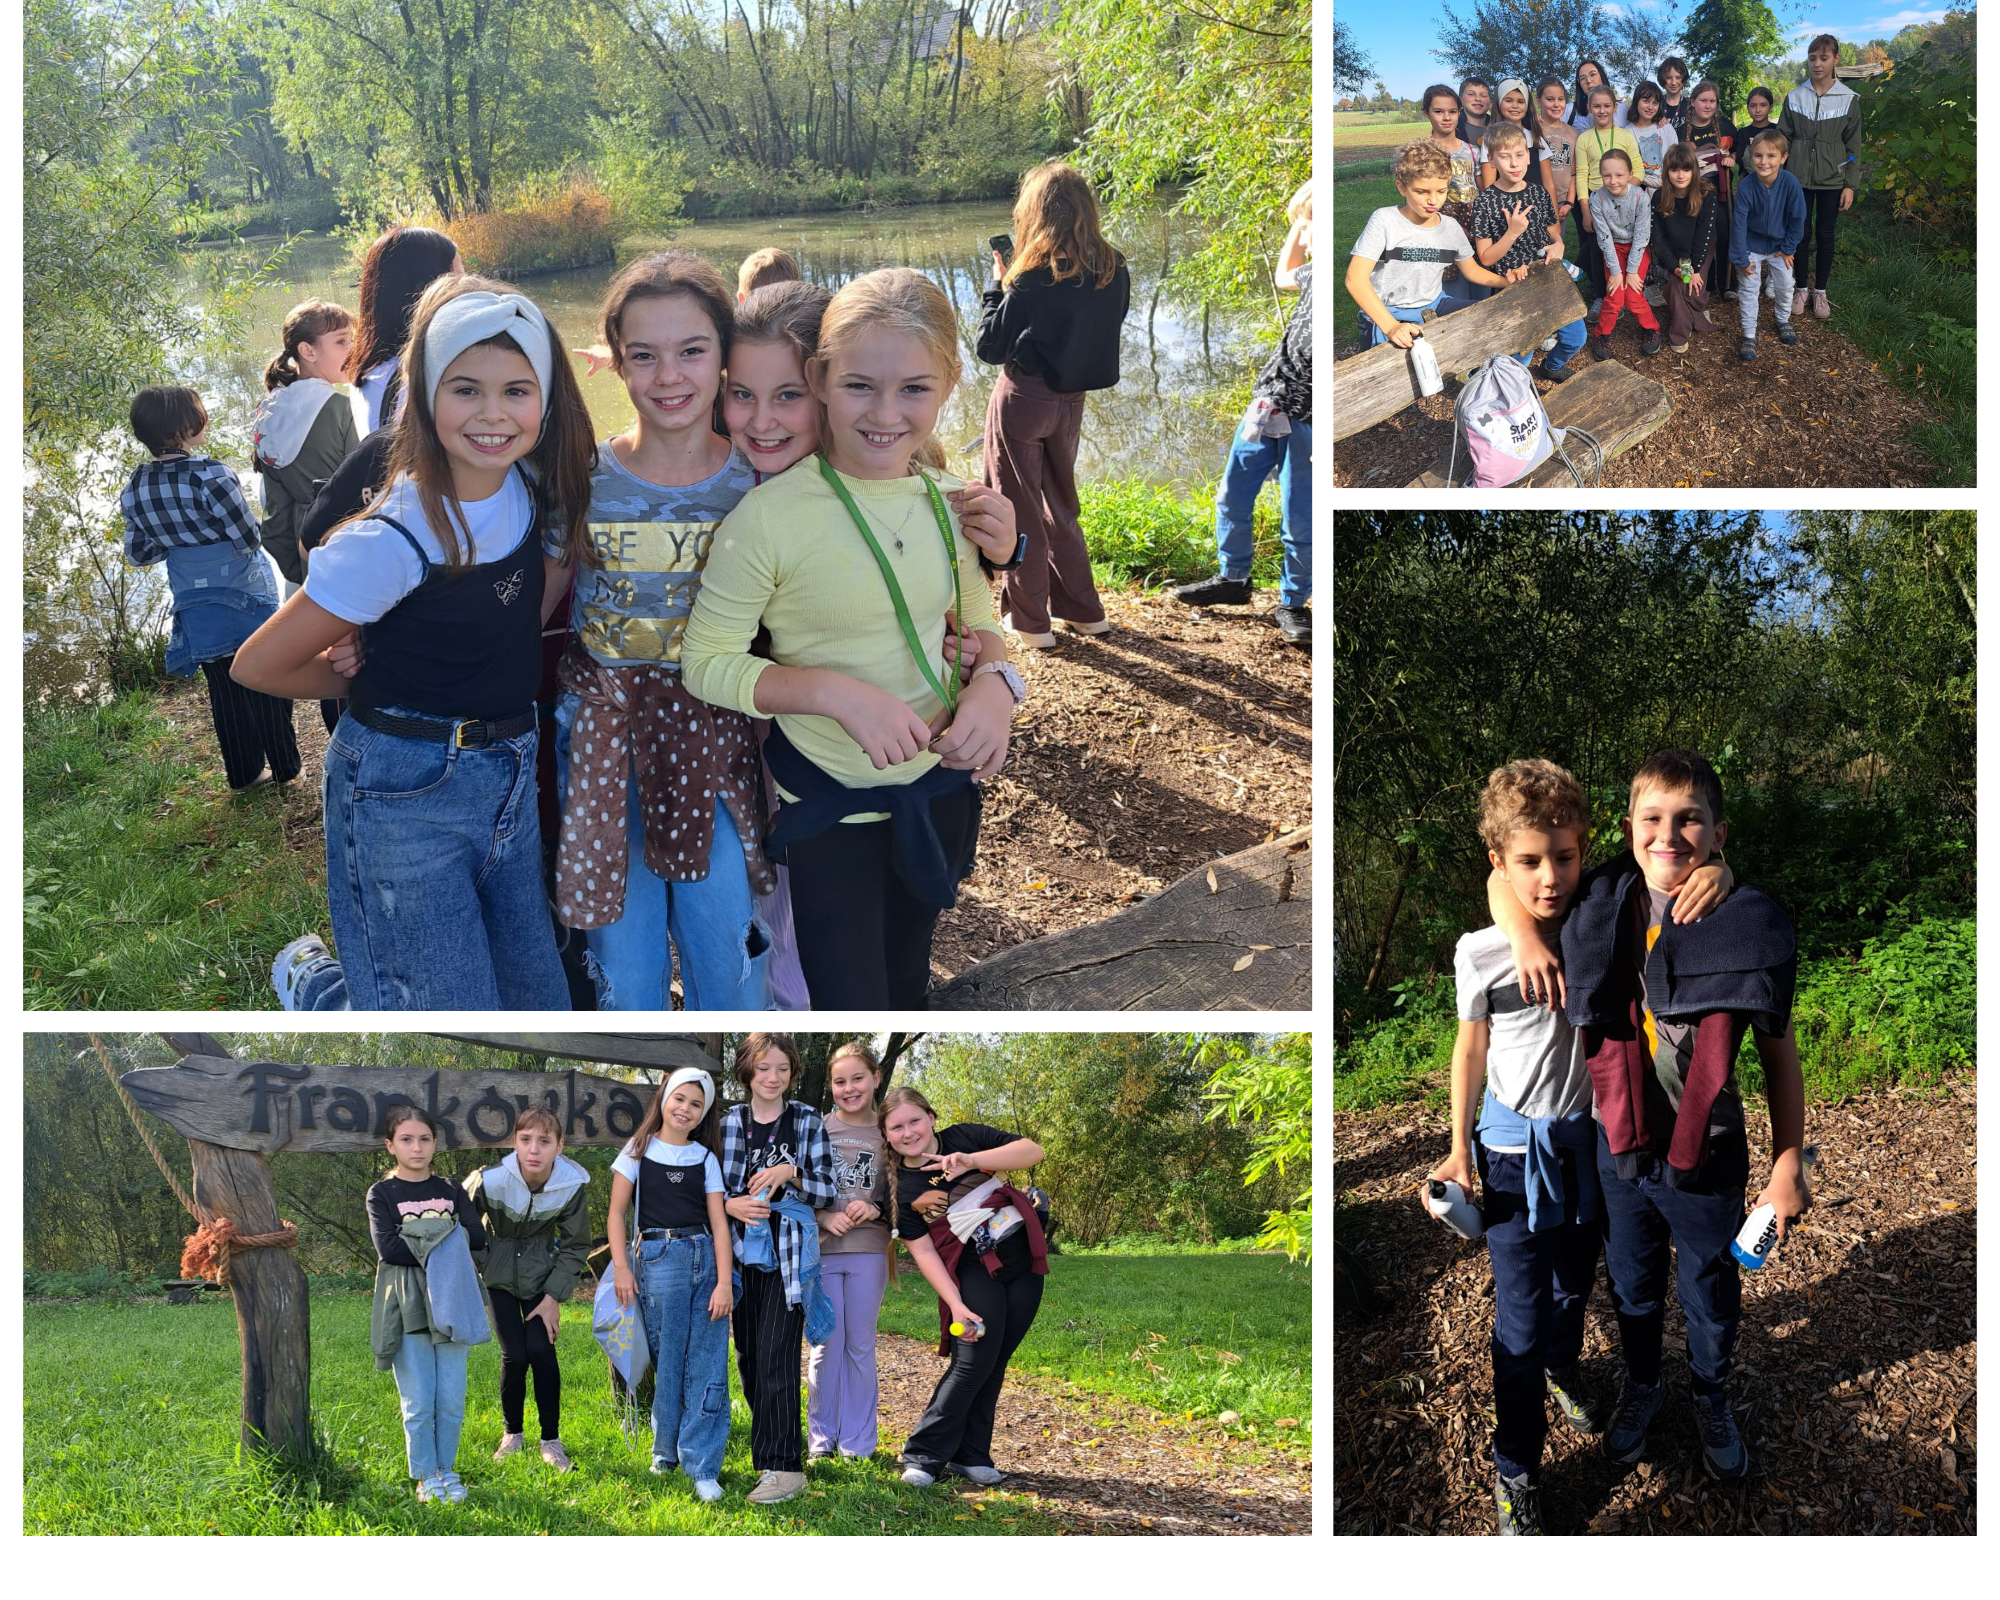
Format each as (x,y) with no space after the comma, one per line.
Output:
(536,1215)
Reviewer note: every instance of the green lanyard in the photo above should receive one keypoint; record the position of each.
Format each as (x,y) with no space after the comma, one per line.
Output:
(947,692)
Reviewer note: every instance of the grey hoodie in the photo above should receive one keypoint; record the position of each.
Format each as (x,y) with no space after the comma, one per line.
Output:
(1626,221)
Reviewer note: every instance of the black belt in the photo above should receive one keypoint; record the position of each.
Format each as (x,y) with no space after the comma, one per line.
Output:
(673,1233)
(471,734)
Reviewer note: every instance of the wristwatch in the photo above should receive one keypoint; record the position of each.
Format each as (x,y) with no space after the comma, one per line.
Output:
(1020,554)
(1008,675)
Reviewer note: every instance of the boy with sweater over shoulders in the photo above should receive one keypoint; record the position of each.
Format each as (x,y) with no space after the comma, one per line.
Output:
(1766,225)
(1822,120)
(1514,225)
(1535,1145)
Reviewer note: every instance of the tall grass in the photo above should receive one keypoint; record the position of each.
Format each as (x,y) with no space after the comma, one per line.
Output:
(550,226)
(1150,534)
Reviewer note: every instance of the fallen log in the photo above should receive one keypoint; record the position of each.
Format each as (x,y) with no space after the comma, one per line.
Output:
(1183,950)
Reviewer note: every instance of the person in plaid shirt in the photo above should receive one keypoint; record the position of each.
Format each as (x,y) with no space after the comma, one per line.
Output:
(773,1149)
(188,510)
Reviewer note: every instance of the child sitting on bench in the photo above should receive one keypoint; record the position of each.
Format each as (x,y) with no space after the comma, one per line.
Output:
(1397,270)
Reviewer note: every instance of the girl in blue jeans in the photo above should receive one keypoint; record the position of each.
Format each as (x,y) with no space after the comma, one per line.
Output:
(683,1271)
(433,850)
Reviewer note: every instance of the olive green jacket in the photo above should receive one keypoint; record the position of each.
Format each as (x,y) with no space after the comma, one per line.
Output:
(537,1241)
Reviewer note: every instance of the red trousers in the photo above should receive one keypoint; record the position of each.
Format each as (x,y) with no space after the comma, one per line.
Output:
(1631,300)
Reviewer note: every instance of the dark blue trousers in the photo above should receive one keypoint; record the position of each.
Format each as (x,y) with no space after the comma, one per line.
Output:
(1541,1282)
(1643,1215)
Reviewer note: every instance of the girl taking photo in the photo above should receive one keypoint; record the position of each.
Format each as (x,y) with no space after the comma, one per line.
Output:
(990,1286)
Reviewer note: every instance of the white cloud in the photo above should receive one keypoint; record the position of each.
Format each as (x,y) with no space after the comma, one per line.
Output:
(1877,28)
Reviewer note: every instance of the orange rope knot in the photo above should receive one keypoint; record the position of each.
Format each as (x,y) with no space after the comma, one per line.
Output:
(208,1249)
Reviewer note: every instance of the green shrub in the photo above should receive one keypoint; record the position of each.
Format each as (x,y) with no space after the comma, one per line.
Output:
(1404,1054)
(1151,534)
(1921,135)
(97,1283)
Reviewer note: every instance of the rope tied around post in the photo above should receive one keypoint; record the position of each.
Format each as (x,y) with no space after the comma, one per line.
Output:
(208,1249)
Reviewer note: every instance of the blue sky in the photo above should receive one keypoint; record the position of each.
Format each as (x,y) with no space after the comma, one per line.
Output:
(1401,37)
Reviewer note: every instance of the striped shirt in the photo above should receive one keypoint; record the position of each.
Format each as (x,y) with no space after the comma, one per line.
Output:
(182,504)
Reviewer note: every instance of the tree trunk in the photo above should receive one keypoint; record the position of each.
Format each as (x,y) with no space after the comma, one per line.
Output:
(269,1287)
(1389,924)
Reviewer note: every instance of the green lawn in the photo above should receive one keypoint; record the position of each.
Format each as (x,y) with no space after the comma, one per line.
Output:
(1353,200)
(131,1415)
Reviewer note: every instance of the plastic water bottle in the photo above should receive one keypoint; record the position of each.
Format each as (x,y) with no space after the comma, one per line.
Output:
(1752,1247)
(970,1332)
(1448,1204)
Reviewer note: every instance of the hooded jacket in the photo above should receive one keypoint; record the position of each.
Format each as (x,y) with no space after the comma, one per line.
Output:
(302,433)
(1736,966)
(536,1241)
(1824,133)
(440,1296)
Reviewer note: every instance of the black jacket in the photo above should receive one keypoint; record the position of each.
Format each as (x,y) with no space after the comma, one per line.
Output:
(1066,334)
(351,487)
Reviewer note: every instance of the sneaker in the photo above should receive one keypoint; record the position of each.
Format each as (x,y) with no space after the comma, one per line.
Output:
(662,1466)
(1787,334)
(985,1476)
(707,1489)
(1215,591)
(1519,1502)
(1820,308)
(1595,307)
(1582,1406)
(1799,302)
(510,1444)
(1600,346)
(294,962)
(1638,1404)
(774,1488)
(1652,346)
(1032,641)
(452,1487)
(820,1453)
(917,1478)
(1677,349)
(1747,349)
(1723,1451)
(1093,629)
(556,1456)
(1556,371)
(1295,623)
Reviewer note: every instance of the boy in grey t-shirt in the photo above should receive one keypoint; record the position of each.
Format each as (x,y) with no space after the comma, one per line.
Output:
(1536,1145)
(1397,270)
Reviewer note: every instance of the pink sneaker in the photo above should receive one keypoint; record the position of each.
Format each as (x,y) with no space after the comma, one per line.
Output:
(1799,302)
(1820,308)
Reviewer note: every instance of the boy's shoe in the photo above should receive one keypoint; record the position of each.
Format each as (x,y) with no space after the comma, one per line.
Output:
(1638,1404)
(1652,346)
(707,1489)
(1215,591)
(662,1466)
(1723,1451)
(1799,302)
(917,1478)
(1787,334)
(774,1488)
(510,1444)
(1582,1406)
(1677,349)
(556,1456)
(1820,308)
(1600,346)
(1557,371)
(293,963)
(1295,623)
(987,1476)
(1519,1502)
(1747,350)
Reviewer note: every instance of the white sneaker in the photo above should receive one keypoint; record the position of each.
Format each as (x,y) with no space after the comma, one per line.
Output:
(555,1455)
(1093,629)
(981,1475)
(917,1478)
(510,1444)
(1799,302)
(294,962)
(707,1489)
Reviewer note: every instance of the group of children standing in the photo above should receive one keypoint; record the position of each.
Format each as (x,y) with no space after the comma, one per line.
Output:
(766,1223)
(1665,188)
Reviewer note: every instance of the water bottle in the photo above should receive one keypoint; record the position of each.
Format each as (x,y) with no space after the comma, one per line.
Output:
(1447,1202)
(970,1332)
(1752,1246)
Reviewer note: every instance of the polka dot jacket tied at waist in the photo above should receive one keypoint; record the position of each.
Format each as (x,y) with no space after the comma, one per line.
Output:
(686,753)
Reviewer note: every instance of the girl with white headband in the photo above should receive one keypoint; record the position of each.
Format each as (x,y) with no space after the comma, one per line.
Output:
(679,1269)
(433,850)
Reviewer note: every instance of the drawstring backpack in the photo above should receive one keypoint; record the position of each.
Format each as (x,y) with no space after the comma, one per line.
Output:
(1499,418)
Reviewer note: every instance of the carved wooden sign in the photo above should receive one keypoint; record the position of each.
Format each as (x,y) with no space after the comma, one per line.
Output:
(270,1106)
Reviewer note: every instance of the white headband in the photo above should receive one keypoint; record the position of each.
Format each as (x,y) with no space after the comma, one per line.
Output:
(475,317)
(691,1075)
(1500,93)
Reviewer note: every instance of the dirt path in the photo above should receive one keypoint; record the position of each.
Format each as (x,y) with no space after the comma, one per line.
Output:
(1785,420)
(1855,1367)
(1106,1466)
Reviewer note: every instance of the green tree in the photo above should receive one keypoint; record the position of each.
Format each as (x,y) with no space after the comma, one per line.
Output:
(1351,64)
(1217,100)
(1726,38)
(1265,1087)
(1536,39)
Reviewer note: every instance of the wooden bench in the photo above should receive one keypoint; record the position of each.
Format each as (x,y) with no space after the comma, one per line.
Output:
(1182,950)
(1606,399)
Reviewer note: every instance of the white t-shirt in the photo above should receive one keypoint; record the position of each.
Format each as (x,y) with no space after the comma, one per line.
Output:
(673,1155)
(1414,274)
(1534,1058)
(372,385)
(1579,116)
(364,570)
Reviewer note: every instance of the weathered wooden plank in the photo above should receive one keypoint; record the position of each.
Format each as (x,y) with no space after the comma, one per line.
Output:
(269,1106)
(1175,952)
(1374,386)
(663,1051)
(1607,399)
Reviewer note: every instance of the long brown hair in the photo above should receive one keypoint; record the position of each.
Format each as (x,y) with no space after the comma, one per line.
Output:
(1683,157)
(398,268)
(707,1133)
(562,460)
(1056,226)
(306,323)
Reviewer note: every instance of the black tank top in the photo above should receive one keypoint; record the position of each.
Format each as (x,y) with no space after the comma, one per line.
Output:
(466,642)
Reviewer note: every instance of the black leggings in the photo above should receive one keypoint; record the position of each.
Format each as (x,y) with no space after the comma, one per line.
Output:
(254,729)
(1822,213)
(768,1333)
(524,1343)
(957,1425)
(864,939)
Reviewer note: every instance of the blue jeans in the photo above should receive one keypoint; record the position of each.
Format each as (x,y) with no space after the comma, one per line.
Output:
(434,878)
(725,950)
(1569,340)
(1444,305)
(1642,1216)
(430,1381)
(690,1353)
(1541,1282)
(1243,475)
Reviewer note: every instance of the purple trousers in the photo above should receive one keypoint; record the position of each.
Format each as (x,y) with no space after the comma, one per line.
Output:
(840,1374)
